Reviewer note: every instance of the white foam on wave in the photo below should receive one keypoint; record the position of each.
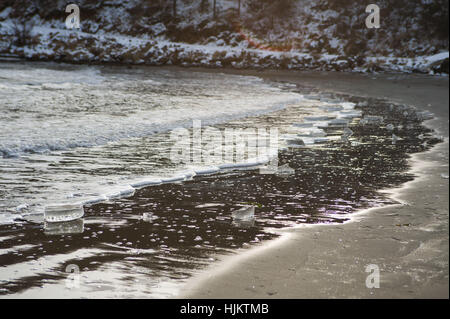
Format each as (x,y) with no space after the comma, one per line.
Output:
(58,86)
(120,105)
(206,170)
(146,182)
(121,192)
(249,163)
(8,218)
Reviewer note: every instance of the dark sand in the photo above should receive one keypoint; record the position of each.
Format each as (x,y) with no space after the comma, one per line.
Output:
(409,242)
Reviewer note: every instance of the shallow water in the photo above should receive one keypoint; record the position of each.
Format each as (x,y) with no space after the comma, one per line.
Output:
(147,244)
(71,133)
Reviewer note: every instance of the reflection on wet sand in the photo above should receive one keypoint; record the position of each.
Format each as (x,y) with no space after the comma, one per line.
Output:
(64,228)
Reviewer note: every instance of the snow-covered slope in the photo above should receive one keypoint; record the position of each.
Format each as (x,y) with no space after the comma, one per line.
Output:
(296,34)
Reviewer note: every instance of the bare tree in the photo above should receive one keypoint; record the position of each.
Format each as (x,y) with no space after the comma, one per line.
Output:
(214,9)
(204,5)
(239,7)
(174,8)
(22,28)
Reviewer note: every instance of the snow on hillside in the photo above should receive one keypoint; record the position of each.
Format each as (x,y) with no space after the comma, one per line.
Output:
(289,34)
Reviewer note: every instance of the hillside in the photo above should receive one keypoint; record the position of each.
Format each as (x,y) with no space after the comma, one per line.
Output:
(292,34)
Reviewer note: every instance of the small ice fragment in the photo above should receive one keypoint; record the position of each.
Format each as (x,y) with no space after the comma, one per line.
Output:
(347,133)
(207,205)
(363,104)
(372,119)
(297,142)
(198,238)
(285,170)
(339,122)
(444,176)
(390,127)
(395,139)
(350,114)
(303,125)
(312,132)
(348,105)
(308,140)
(425,115)
(322,124)
(318,118)
(331,108)
(244,223)
(189,175)
(321,140)
(63,213)
(147,217)
(21,208)
(244,213)
(64,228)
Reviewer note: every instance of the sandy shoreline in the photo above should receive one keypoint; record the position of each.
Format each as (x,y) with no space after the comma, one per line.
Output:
(409,242)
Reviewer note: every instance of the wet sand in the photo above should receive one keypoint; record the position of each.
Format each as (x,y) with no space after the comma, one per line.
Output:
(408,241)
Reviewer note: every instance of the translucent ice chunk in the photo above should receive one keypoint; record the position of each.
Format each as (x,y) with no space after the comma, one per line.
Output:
(319,118)
(348,105)
(321,140)
(241,223)
(21,208)
(424,115)
(312,132)
(62,228)
(244,213)
(285,170)
(331,108)
(350,114)
(395,139)
(347,133)
(302,125)
(390,127)
(148,217)
(372,119)
(299,142)
(63,213)
(338,122)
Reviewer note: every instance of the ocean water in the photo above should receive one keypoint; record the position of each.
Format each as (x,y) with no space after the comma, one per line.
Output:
(77,133)
(82,136)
